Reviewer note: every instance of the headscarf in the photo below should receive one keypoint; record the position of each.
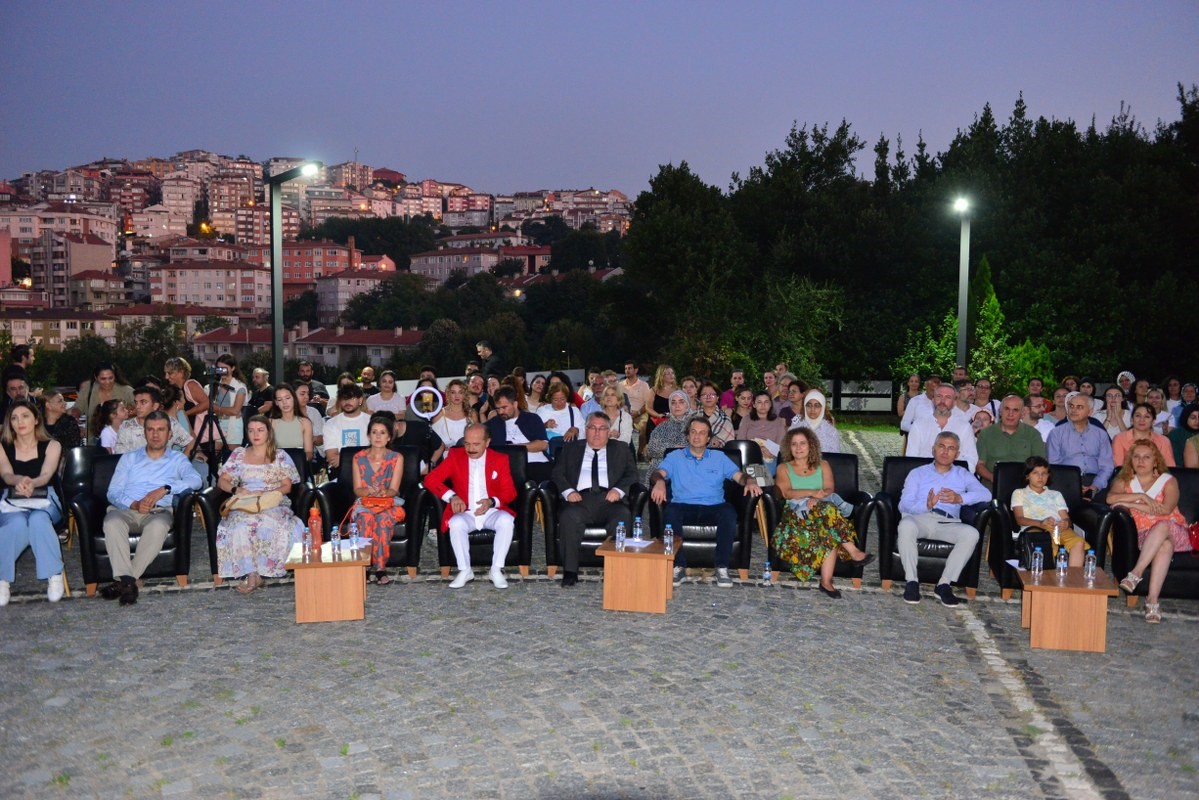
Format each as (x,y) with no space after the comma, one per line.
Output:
(669,433)
(826,432)
(1181,434)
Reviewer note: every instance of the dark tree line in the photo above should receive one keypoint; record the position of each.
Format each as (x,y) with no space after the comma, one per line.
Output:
(1090,234)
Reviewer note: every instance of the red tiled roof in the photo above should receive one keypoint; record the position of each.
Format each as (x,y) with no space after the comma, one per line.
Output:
(365,274)
(85,238)
(205,265)
(55,313)
(96,275)
(407,338)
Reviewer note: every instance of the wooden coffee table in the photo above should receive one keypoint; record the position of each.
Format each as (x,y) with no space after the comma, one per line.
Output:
(639,578)
(330,589)
(1066,613)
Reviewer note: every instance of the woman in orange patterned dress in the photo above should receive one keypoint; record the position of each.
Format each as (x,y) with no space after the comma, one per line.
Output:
(377,474)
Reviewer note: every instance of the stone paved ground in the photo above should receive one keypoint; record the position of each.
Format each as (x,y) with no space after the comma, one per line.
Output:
(755,692)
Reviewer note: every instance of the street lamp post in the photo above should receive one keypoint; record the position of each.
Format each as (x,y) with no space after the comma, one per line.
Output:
(962,206)
(275,182)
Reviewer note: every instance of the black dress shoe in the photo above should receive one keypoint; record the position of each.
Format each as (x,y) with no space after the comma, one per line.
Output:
(869,557)
(833,593)
(569,578)
(128,594)
(111,591)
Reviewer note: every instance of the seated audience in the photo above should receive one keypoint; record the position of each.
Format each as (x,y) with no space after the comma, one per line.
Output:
(927,429)
(291,427)
(815,416)
(132,433)
(813,528)
(1080,444)
(107,421)
(1190,394)
(931,505)
(983,398)
(510,425)
(385,397)
(347,429)
(663,386)
(106,384)
(921,405)
(1037,506)
(697,477)
(378,471)
(253,545)
(534,399)
(29,460)
(671,432)
(62,427)
(1145,487)
(743,403)
(728,398)
(1086,387)
(1116,414)
(1010,440)
(719,422)
(140,497)
(1141,430)
(560,417)
(764,427)
(1161,415)
(593,475)
(620,419)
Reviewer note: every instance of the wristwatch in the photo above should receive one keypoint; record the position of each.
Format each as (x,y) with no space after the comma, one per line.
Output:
(167,486)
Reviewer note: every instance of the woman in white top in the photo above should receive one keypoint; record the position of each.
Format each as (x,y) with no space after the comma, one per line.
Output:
(230,397)
(560,417)
(814,417)
(387,398)
(611,402)
(455,415)
(536,392)
(1115,416)
(1162,417)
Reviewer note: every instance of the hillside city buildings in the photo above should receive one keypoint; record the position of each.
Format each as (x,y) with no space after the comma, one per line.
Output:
(108,243)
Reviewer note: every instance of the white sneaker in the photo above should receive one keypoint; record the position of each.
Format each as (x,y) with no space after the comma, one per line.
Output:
(3,593)
(464,577)
(54,591)
(497,578)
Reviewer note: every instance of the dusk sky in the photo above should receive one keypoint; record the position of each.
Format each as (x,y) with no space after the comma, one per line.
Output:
(525,95)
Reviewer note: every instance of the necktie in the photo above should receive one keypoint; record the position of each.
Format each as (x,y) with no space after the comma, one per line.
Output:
(595,480)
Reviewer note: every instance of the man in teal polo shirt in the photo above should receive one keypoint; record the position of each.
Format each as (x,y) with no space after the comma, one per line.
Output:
(697,477)
(1010,440)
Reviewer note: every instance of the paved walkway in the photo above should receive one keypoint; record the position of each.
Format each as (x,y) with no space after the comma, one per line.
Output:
(749,692)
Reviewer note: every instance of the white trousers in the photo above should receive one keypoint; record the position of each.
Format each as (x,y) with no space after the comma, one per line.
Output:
(464,523)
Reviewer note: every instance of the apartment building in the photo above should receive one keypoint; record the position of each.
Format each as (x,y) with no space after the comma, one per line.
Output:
(97,290)
(438,265)
(235,285)
(52,329)
(336,290)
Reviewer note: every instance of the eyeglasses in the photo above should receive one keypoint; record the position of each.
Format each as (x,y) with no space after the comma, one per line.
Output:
(708,396)
(598,429)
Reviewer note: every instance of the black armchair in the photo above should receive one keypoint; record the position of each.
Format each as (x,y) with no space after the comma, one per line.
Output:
(76,479)
(520,554)
(210,499)
(932,553)
(699,541)
(593,535)
(90,506)
(845,483)
(1093,519)
(1183,578)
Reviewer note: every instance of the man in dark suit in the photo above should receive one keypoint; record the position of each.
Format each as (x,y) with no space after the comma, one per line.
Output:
(593,476)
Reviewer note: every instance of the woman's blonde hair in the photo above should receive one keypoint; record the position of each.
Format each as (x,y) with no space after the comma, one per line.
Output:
(272,449)
(1160,467)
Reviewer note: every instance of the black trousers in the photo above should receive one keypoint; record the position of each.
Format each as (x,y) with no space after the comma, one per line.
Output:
(592,510)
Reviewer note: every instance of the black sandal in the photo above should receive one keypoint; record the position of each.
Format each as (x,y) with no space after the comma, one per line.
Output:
(382,578)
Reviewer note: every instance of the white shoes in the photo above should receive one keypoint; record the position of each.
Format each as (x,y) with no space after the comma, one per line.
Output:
(54,591)
(464,577)
(497,578)
(3,593)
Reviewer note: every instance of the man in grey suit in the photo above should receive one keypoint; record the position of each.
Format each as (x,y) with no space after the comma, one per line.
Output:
(593,476)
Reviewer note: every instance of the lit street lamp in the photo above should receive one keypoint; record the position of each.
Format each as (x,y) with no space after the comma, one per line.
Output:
(275,182)
(962,206)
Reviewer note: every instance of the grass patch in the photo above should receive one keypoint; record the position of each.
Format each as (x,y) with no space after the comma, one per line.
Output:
(280,743)
(61,779)
(344,749)
(167,741)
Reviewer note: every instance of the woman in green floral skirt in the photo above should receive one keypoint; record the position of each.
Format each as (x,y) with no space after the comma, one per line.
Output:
(812,529)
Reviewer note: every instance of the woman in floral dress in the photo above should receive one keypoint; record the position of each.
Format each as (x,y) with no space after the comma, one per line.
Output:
(812,530)
(256,545)
(377,473)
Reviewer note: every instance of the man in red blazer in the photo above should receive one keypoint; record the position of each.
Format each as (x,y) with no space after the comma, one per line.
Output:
(476,485)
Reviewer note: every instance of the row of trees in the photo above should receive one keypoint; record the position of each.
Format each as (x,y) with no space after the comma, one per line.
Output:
(1083,243)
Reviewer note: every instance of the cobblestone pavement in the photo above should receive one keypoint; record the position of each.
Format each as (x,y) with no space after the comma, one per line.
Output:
(749,692)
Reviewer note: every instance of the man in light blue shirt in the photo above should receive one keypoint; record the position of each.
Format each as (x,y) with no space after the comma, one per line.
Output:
(931,504)
(697,477)
(1076,442)
(140,497)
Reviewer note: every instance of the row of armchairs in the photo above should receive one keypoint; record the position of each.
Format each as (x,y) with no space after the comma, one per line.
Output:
(88,471)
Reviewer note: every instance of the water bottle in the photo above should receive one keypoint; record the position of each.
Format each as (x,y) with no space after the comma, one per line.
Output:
(307,553)
(335,540)
(1088,566)
(1057,534)
(1063,562)
(353,534)
(637,531)
(668,540)
(766,575)
(1038,564)
(620,536)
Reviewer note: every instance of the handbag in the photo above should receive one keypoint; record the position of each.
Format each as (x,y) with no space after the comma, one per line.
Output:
(379,505)
(1193,532)
(1027,543)
(251,503)
(39,500)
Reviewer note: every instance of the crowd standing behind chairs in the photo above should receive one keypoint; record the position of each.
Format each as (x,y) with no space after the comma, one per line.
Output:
(1133,430)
